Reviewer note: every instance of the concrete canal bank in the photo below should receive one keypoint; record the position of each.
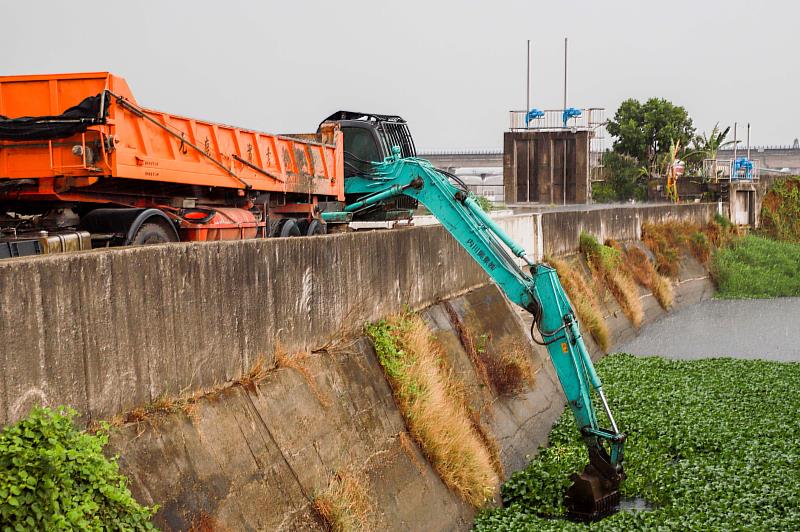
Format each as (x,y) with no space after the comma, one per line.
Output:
(133,331)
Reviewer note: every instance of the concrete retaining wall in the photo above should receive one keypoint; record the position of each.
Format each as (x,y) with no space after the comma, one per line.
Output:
(105,331)
(108,330)
(254,458)
(562,229)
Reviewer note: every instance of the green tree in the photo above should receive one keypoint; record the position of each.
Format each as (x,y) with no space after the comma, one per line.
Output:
(645,131)
(625,179)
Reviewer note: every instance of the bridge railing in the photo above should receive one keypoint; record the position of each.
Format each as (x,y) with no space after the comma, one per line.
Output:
(472,152)
(763,148)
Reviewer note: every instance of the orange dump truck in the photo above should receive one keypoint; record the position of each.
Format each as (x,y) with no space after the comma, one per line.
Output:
(82,165)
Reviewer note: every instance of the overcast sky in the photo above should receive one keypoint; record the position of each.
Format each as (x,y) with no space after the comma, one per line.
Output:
(452,68)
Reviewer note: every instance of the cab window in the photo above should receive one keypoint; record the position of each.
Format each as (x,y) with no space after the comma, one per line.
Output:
(359,143)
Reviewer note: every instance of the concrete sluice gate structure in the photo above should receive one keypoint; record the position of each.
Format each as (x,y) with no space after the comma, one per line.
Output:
(107,332)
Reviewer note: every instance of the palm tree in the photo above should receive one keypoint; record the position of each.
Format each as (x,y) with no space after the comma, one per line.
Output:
(711,144)
(707,146)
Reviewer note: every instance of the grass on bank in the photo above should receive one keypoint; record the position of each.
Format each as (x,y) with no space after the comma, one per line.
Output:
(434,407)
(584,298)
(757,267)
(645,273)
(507,363)
(606,263)
(345,505)
(712,444)
(502,366)
(667,241)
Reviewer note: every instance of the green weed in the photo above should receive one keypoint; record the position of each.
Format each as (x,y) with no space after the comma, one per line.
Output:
(780,210)
(757,267)
(55,477)
(712,444)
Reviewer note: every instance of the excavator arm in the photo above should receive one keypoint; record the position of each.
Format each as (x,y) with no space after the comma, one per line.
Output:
(595,491)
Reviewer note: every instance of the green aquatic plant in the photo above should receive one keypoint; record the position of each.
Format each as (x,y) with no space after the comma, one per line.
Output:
(712,445)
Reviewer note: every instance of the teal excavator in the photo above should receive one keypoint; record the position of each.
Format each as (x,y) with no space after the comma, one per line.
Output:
(382,175)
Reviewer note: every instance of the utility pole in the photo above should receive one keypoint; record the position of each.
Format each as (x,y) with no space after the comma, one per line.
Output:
(528,85)
(748,141)
(565,73)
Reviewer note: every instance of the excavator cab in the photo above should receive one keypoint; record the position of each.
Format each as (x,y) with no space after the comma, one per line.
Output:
(368,139)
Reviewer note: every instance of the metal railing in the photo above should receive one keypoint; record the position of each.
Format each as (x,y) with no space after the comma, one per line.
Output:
(727,170)
(593,118)
(769,147)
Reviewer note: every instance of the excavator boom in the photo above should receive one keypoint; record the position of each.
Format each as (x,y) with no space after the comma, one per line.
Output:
(595,491)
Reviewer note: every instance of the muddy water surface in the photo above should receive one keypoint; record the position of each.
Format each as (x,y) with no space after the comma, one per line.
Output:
(768,329)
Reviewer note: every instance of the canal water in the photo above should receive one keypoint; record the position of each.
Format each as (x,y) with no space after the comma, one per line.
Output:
(767,329)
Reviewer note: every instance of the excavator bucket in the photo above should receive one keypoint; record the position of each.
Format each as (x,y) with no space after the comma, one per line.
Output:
(594,492)
(591,496)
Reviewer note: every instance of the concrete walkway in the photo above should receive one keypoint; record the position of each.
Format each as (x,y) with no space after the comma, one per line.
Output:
(768,329)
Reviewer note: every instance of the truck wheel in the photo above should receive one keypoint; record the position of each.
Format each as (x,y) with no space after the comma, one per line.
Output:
(152,233)
(315,227)
(284,228)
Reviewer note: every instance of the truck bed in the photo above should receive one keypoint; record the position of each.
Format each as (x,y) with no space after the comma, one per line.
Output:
(130,142)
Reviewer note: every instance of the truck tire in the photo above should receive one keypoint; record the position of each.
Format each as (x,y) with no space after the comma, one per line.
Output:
(313,228)
(286,227)
(152,233)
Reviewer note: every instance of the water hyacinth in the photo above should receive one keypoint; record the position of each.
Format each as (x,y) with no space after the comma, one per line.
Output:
(712,445)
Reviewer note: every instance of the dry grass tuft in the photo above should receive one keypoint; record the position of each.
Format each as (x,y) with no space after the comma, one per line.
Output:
(504,368)
(606,263)
(627,295)
(584,299)
(470,344)
(508,365)
(645,273)
(257,373)
(668,240)
(662,290)
(345,505)
(490,442)
(433,408)
(186,403)
(665,242)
